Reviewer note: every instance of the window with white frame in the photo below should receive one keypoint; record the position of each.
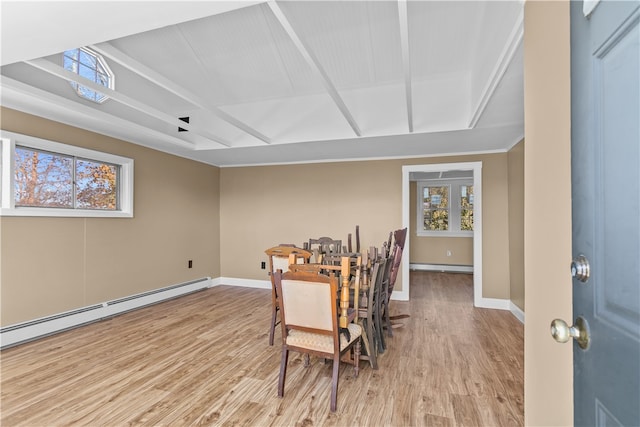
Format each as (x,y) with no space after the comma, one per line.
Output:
(90,65)
(46,178)
(445,207)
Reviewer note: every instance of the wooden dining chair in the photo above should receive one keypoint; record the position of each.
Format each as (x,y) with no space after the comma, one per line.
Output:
(280,257)
(396,258)
(399,237)
(324,245)
(352,272)
(347,268)
(349,245)
(367,314)
(310,324)
(381,314)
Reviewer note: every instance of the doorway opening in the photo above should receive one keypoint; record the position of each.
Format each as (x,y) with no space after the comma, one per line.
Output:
(476,168)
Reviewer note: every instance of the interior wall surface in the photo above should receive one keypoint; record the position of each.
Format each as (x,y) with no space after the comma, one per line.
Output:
(548,366)
(54,264)
(262,206)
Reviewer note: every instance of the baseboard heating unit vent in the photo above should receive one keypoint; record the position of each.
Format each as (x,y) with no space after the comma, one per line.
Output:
(444,268)
(38,328)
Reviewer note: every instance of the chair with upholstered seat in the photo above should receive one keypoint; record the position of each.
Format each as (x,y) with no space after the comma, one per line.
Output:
(280,257)
(309,321)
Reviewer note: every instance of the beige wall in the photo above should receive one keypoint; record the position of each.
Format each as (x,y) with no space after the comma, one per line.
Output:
(495,226)
(263,206)
(50,265)
(516,223)
(548,376)
(433,250)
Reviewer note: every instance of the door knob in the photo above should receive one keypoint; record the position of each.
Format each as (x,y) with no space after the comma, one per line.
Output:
(580,268)
(562,332)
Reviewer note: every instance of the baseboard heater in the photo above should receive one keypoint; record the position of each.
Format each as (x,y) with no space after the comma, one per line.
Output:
(28,331)
(443,268)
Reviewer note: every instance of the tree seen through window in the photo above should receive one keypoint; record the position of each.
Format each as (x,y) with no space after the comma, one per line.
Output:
(445,206)
(52,180)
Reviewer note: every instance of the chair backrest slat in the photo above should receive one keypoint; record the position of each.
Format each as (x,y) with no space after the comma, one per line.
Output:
(325,245)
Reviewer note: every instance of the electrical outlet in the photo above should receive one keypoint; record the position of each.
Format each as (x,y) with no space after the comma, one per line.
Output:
(263,265)
(190,263)
(448,252)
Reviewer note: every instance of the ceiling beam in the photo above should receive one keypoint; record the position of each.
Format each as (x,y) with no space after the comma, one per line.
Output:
(65,74)
(16,95)
(158,79)
(406,58)
(315,65)
(500,68)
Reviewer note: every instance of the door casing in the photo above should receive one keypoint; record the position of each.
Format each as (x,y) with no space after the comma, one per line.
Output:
(476,167)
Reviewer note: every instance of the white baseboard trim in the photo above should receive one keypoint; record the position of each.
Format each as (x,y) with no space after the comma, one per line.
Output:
(247,283)
(216,282)
(399,295)
(445,268)
(500,304)
(495,303)
(28,331)
(516,311)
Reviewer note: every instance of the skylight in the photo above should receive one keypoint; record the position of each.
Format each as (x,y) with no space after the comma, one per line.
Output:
(88,64)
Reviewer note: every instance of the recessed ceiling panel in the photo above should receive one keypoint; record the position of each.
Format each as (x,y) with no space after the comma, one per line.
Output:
(295,119)
(442,36)
(238,53)
(350,39)
(441,102)
(166,52)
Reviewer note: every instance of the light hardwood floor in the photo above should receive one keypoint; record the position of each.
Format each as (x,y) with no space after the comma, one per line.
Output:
(204,359)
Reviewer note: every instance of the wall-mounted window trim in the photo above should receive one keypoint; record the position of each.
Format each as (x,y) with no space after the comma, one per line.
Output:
(122,167)
(453,188)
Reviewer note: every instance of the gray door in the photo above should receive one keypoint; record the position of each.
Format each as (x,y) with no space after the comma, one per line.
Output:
(605,151)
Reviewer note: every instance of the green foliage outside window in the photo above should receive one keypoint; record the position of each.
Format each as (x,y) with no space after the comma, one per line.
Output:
(445,206)
(466,208)
(435,204)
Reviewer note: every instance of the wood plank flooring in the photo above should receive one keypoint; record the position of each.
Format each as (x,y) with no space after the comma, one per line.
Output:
(204,359)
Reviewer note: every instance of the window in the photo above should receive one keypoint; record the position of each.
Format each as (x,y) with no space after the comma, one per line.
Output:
(466,207)
(88,64)
(435,203)
(445,207)
(45,178)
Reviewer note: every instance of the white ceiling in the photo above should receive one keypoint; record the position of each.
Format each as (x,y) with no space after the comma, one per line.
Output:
(278,82)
